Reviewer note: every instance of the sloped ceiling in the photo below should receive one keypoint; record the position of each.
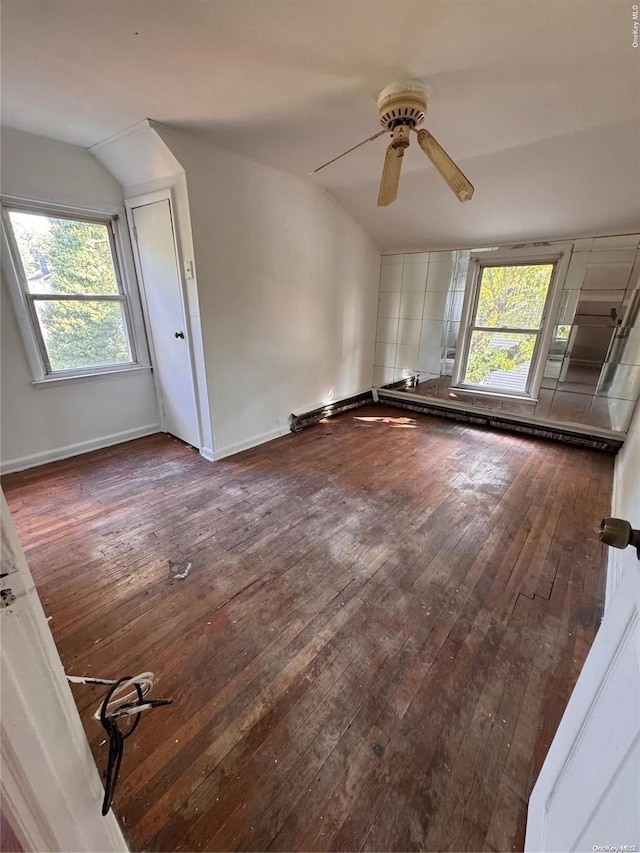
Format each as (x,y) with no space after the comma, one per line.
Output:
(537,100)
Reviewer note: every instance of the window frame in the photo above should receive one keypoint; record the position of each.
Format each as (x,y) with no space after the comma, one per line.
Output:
(25,302)
(558,255)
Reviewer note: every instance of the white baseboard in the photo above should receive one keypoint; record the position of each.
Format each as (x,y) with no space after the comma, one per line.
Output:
(230,449)
(207,453)
(69,450)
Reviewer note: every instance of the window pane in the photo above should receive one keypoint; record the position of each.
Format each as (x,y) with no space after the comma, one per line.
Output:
(83,334)
(513,296)
(500,360)
(64,255)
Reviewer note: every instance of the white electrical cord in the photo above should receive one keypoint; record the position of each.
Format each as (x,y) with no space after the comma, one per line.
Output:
(120,705)
(124,699)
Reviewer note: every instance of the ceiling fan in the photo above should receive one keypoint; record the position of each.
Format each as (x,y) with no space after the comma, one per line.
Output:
(402,107)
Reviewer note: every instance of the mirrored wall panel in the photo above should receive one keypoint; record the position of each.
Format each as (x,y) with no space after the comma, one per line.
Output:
(592,366)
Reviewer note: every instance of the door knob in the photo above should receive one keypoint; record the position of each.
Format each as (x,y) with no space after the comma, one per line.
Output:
(180,335)
(618,533)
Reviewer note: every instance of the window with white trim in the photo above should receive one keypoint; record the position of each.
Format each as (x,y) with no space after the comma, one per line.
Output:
(510,303)
(68,272)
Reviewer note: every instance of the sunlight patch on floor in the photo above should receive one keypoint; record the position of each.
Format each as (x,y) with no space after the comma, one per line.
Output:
(395,423)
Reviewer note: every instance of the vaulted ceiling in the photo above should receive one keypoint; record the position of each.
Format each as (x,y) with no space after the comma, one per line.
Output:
(537,100)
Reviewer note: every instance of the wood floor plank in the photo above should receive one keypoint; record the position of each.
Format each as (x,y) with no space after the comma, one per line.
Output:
(381,626)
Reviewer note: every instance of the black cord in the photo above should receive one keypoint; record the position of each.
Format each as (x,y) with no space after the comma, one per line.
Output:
(121,719)
(117,738)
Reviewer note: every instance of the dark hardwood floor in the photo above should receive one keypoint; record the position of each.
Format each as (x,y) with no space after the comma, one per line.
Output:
(379,633)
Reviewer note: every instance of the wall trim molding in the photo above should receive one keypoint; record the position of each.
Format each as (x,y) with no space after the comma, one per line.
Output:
(596,439)
(57,453)
(143,124)
(335,407)
(207,453)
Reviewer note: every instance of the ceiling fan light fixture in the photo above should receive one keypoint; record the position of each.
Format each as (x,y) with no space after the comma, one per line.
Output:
(401,108)
(402,103)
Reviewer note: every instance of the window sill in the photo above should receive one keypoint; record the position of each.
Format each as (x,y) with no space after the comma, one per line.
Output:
(494,395)
(88,377)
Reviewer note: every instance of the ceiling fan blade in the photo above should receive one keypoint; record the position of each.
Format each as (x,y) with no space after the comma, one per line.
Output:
(364,142)
(390,175)
(458,183)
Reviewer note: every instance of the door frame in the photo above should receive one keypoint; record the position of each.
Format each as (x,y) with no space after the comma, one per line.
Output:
(130,205)
(51,793)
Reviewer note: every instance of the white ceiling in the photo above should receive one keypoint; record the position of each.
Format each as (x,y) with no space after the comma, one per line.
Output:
(537,100)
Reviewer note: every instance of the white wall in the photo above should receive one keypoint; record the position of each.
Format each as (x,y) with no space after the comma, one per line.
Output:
(288,290)
(43,423)
(44,169)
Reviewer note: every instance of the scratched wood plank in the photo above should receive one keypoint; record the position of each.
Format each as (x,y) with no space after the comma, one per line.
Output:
(380,630)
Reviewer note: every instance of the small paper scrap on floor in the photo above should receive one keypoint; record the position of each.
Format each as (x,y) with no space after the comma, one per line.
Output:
(179,570)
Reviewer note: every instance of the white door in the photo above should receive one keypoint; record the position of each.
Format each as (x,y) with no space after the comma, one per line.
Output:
(587,796)
(157,263)
(50,787)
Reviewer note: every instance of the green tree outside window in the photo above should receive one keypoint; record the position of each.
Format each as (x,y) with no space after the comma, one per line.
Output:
(69,258)
(513,297)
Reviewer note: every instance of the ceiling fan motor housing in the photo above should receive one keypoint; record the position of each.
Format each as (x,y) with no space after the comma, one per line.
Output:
(402,104)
